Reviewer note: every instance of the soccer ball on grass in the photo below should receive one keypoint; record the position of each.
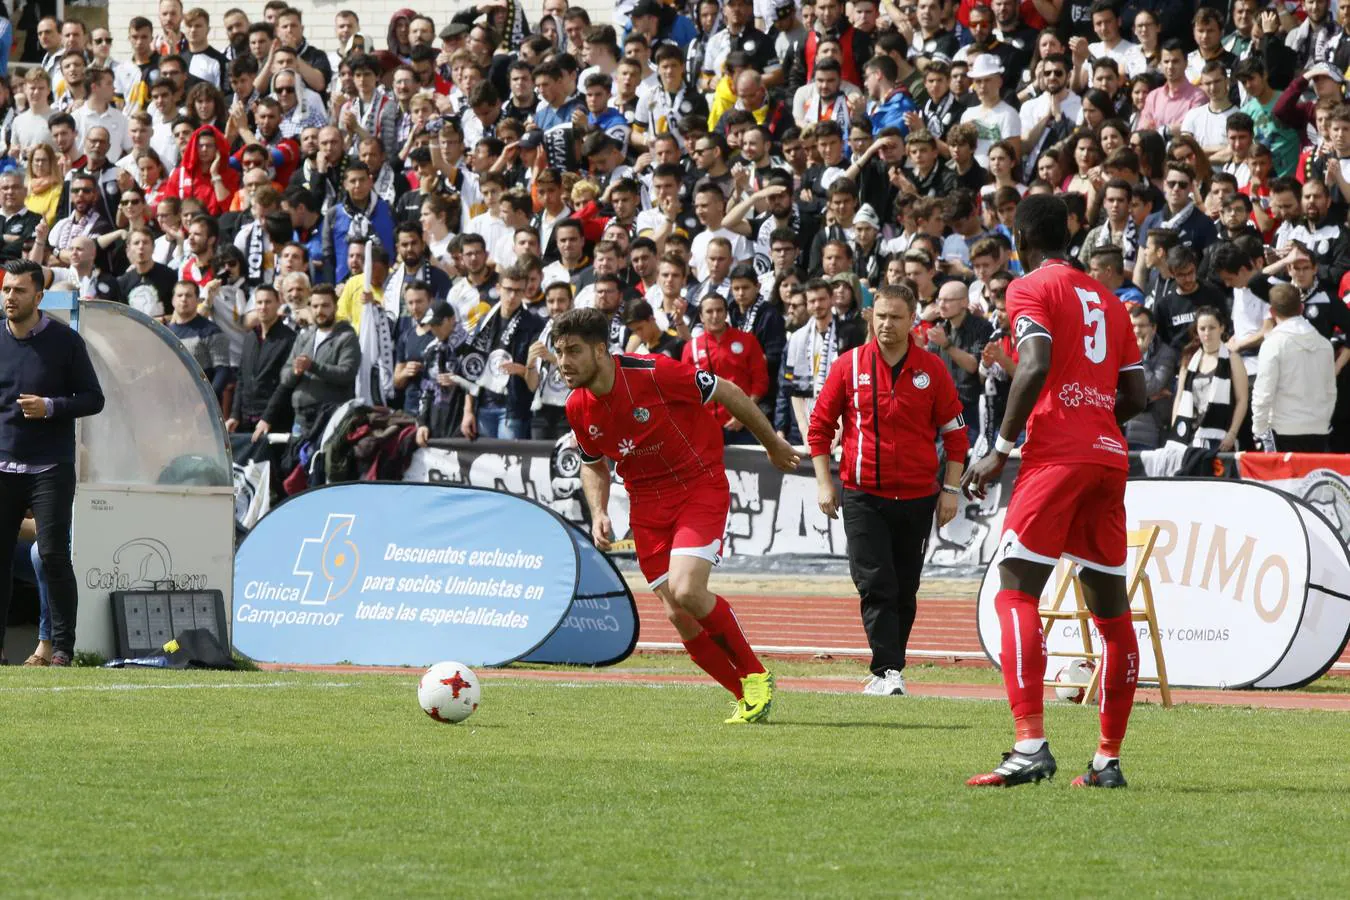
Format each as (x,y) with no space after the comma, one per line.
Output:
(449,692)
(1074,678)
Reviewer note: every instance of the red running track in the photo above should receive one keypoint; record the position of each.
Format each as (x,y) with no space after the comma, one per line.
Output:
(945,629)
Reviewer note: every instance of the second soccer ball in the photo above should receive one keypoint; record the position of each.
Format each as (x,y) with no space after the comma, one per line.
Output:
(1073,679)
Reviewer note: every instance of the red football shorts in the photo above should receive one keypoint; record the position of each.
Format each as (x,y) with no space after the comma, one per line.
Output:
(693,526)
(1072,511)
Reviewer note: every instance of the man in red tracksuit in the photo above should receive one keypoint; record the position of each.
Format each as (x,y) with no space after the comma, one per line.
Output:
(731,354)
(895,400)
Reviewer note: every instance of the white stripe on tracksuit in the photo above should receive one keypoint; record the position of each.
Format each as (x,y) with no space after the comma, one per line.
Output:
(857,407)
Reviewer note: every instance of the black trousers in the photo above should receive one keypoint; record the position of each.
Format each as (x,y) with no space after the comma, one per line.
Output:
(51,496)
(886,544)
(549,423)
(1302,443)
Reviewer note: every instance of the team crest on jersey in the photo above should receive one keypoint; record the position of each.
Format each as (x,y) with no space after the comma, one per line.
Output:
(864,380)
(921,380)
(641,413)
(737,347)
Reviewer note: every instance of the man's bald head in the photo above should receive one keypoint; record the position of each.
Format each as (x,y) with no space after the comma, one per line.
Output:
(953,290)
(953,300)
(750,89)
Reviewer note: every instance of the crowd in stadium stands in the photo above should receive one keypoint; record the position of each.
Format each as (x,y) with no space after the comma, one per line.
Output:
(395,217)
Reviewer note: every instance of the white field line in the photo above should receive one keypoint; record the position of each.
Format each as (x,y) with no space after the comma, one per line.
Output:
(864,651)
(62,688)
(832,651)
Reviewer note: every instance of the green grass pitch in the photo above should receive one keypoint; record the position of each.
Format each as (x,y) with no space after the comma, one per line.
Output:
(267,785)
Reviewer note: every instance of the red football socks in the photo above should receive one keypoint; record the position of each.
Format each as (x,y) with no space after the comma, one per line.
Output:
(711,659)
(1120,676)
(1023,661)
(722,627)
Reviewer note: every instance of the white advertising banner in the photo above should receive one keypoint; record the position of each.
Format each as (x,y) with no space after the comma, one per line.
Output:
(1251,586)
(142,538)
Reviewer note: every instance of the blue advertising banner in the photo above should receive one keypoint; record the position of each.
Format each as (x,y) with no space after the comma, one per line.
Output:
(602,627)
(403,574)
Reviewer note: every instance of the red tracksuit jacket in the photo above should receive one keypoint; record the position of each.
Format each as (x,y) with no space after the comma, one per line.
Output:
(737,356)
(891,426)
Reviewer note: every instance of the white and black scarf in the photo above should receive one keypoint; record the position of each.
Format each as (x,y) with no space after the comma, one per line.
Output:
(1129,244)
(370,116)
(617,331)
(488,337)
(255,259)
(552,389)
(763,242)
(749,319)
(362,220)
(385,188)
(398,281)
(937,116)
(375,385)
(825,348)
(1180,218)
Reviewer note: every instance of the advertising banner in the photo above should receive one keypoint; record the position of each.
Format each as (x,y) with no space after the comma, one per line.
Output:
(771,513)
(403,574)
(1322,480)
(602,626)
(1246,582)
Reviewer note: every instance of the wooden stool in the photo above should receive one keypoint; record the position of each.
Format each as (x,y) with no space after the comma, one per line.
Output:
(1138,587)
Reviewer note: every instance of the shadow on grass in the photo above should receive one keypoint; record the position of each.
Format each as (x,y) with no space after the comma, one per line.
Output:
(1309,790)
(902,726)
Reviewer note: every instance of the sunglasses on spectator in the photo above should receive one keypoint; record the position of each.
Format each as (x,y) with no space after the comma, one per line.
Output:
(1177,184)
(81,190)
(106,40)
(283,90)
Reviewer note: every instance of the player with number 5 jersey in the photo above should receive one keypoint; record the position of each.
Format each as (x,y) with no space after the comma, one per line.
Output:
(1078,380)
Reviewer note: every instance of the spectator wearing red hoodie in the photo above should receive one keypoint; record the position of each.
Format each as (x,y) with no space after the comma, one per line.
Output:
(205,173)
(728,353)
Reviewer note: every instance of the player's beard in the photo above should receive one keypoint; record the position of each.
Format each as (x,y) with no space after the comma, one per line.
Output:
(584,379)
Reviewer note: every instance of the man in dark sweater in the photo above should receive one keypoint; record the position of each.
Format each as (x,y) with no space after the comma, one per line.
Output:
(47,381)
(266,349)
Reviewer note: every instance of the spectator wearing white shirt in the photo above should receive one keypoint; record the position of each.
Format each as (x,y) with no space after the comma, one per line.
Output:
(98,111)
(516,209)
(30,126)
(994,119)
(710,207)
(1048,117)
(1293,399)
(125,74)
(1208,124)
(1106,25)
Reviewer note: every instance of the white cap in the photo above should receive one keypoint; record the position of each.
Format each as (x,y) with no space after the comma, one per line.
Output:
(1322,69)
(986,64)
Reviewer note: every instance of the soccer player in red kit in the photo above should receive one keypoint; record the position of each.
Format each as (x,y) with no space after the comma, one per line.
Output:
(650,414)
(1078,380)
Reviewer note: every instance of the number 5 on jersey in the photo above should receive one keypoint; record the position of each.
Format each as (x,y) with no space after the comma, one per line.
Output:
(1094,319)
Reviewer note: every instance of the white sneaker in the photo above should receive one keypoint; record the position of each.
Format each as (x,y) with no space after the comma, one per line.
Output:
(875,687)
(890,684)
